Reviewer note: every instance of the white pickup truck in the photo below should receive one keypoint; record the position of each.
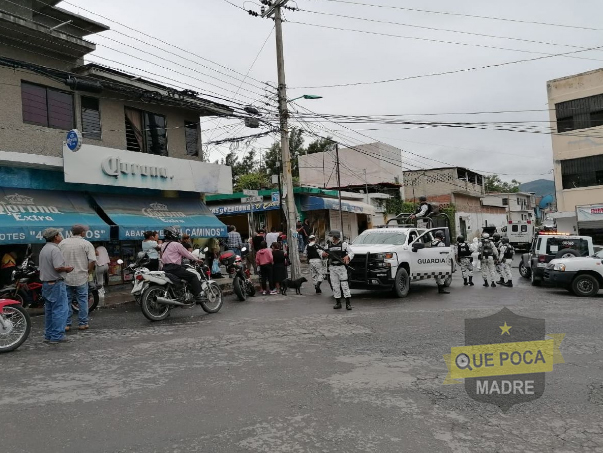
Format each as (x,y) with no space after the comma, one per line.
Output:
(391,258)
(582,276)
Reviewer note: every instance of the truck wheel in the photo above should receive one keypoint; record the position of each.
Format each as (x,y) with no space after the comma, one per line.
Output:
(567,253)
(402,283)
(524,271)
(585,286)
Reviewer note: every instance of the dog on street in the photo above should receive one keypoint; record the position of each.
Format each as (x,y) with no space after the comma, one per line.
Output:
(288,283)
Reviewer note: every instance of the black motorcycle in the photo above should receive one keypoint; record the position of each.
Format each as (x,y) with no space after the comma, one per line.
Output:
(235,265)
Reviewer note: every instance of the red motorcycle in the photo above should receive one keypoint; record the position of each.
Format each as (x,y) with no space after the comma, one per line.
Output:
(241,276)
(15,325)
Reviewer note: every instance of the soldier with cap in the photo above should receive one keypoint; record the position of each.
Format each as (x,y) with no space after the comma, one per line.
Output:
(52,270)
(439,242)
(339,255)
(315,261)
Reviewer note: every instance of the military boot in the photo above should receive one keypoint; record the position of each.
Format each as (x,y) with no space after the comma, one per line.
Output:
(493,285)
(509,284)
(337,305)
(442,290)
(348,303)
(471,281)
(465,282)
(318,290)
(486,283)
(501,281)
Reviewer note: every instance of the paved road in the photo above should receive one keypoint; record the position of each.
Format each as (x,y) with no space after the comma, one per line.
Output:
(293,375)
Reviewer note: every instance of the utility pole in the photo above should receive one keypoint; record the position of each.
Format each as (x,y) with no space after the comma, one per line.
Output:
(291,212)
(339,189)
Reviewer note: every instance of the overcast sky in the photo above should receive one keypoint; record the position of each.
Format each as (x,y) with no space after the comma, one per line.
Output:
(315,56)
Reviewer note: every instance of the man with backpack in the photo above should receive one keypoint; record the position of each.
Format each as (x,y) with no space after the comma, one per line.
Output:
(506,253)
(488,255)
(464,259)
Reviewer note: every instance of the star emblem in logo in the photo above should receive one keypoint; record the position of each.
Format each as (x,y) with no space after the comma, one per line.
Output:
(505,329)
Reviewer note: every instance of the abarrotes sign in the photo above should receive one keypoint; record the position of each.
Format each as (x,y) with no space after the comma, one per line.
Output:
(25,214)
(505,359)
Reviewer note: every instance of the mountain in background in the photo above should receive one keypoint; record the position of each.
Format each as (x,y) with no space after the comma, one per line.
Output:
(540,187)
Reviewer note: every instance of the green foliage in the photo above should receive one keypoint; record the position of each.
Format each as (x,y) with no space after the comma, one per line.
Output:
(252,181)
(495,184)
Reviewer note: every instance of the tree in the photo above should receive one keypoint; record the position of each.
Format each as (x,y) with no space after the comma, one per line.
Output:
(296,148)
(322,145)
(252,181)
(495,184)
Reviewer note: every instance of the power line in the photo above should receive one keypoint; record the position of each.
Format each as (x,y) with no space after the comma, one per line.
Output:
(365,19)
(474,16)
(441,41)
(442,73)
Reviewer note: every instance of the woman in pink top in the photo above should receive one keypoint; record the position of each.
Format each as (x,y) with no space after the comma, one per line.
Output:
(264,260)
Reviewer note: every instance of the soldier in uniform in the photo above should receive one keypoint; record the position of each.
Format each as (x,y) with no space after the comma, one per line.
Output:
(439,242)
(497,243)
(337,270)
(506,253)
(464,259)
(314,259)
(488,254)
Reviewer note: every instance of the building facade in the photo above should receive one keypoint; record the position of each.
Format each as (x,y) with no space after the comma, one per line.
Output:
(576,112)
(460,187)
(83,143)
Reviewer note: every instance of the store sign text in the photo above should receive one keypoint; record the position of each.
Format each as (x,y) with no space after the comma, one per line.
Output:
(113,166)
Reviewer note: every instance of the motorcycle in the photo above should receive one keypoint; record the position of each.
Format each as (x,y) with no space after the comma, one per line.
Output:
(235,265)
(162,291)
(27,288)
(138,269)
(15,325)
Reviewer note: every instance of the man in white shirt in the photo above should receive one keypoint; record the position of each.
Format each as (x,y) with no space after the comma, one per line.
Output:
(102,265)
(80,254)
(271,237)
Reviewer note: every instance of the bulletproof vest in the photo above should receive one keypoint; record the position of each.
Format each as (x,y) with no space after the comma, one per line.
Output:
(464,249)
(429,208)
(313,252)
(509,251)
(337,250)
(487,248)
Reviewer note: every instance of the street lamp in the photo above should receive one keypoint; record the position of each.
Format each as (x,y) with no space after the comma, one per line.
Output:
(305,96)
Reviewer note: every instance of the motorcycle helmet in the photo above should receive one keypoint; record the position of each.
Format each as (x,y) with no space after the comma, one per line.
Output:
(439,235)
(422,198)
(485,235)
(172,233)
(460,239)
(505,240)
(496,236)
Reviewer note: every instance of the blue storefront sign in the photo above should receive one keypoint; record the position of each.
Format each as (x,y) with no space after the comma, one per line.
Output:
(276,197)
(317,203)
(234,209)
(74,140)
(135,215)
(25,214)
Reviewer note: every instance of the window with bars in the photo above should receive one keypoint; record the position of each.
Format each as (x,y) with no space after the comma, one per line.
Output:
(191,135)
(580,113)
(91,124)
(582,172)
(146,132)
(46,106)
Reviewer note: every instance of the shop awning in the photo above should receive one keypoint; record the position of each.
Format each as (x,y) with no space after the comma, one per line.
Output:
(317,203)
(135,215)
(590,217)
(25,214)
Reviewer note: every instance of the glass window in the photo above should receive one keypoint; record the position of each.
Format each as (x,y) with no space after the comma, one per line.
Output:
(191,134)
(524,228)
(91,125)
(580,113)
(393,238)
(582,172)
(554,244)
(514,228)
(46,107)
(505,201)
(155,134)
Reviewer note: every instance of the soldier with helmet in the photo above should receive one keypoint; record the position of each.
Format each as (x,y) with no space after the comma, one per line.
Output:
(488,254)
(464,259)
(496,238)
(339,256)
(424,210)
(506,252)
(439,242)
